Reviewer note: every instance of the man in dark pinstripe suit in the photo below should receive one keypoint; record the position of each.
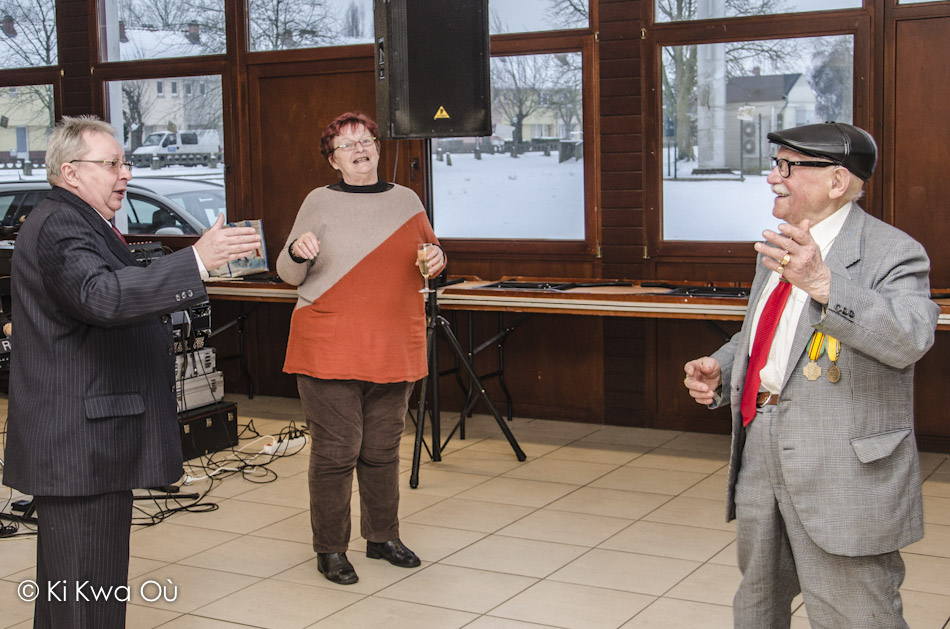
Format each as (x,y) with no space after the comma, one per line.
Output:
(92,410)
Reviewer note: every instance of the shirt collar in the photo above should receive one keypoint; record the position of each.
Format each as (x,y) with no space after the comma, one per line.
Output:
(825,231)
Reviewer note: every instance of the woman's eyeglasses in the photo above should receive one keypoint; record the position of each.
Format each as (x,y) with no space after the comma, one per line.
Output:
(346,147)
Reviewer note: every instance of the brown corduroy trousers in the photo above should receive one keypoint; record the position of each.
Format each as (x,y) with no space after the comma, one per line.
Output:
(353,424)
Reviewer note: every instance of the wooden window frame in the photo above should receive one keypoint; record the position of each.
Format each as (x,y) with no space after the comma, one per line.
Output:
(552,42)
(854,22)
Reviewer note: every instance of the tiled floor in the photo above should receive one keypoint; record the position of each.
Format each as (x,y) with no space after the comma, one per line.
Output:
(601,527)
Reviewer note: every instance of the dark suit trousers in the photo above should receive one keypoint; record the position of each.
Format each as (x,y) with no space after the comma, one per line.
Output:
(82,549)
(353,425)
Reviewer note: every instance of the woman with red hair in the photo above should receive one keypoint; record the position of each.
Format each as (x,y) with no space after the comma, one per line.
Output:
(357,341)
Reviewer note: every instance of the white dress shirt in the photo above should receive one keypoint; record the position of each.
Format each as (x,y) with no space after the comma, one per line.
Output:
(773,373)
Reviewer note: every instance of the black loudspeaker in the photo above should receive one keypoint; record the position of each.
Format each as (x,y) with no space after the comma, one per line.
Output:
(432,68)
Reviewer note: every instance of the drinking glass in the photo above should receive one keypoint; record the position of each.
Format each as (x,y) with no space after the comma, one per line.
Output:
(422,255)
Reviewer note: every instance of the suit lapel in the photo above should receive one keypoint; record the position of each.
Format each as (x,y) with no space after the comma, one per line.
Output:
(98,224)
(845,251)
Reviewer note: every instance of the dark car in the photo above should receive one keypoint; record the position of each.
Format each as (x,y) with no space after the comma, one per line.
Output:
(155,205)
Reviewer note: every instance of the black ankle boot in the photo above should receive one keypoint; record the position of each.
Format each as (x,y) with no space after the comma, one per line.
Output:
(337,568)
(393,551)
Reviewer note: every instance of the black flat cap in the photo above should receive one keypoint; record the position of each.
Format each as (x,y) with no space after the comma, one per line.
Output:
(843,144)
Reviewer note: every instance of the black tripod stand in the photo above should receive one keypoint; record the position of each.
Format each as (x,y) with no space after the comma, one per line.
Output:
(437,324)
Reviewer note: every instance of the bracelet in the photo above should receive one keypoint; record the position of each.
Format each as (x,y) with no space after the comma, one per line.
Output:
(293,256)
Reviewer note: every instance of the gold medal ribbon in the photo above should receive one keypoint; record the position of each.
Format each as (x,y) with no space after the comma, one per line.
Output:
(834,348)
(816,346)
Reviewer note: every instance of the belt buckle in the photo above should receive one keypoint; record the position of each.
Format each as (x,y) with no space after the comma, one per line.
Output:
(769,399)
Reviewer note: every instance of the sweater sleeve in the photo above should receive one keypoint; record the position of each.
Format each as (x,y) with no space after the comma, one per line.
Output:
(288,269)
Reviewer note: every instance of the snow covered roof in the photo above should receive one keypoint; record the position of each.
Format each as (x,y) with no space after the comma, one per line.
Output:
(760,88)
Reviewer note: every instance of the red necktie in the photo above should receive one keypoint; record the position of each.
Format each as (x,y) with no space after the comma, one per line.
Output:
(764,333)
(119,234)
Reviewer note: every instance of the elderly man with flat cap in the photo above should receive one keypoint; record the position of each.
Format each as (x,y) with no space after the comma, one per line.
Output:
(824,480)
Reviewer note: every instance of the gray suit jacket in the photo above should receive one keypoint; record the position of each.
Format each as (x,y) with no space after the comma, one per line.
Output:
(848,452)
(92,384)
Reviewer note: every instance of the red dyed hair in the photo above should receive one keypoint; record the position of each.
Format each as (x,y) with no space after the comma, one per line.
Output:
(336,126)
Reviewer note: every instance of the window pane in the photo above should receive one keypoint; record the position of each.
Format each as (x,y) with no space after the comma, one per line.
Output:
(146,29)
(519,16)
(719,102)
(177,147)
(285,24)
(678,10)
(28,34)
(26,121)
(527,179)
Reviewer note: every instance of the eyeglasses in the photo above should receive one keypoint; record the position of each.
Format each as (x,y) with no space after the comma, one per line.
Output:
(111,164)
(346,147)
(785,166)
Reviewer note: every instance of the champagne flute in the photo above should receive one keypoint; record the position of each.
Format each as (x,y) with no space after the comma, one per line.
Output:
(422,256)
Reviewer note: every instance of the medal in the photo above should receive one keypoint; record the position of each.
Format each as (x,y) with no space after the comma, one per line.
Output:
(834,348)
(816,346)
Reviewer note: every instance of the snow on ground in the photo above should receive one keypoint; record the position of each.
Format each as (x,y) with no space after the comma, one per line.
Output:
(717,210)
(531,196)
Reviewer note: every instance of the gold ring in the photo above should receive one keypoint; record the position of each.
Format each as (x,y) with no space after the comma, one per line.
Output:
(685,379)
(786,259)
(781,269)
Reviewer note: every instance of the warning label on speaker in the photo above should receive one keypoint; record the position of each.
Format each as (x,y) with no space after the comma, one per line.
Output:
(441,114)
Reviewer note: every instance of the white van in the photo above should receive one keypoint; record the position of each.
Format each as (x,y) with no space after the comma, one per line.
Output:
(188,141)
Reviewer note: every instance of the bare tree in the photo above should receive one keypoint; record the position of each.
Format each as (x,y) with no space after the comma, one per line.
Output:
(137,103)
(833,79)
(27,40)
(565,97)
(517,83)
(569,13)
(680,62)
(194,27)
(282,24)
(202,102)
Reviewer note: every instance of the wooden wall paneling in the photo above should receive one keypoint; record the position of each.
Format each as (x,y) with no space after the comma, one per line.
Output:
(622,125)
(74,22)
(921,126)
(628,371)
(741,271)
(553,365)
(266,329)
(931,415)
(270,325)
(678,342)
(914,152)
(628,343)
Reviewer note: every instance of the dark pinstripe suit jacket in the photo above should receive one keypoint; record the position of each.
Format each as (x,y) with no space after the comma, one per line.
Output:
(92,385)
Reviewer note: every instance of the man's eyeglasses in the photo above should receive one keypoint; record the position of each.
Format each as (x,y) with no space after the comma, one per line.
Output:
(785,166)
(346,147)
(111,164)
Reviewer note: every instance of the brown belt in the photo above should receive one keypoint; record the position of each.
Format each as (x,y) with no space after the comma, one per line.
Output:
(766,399)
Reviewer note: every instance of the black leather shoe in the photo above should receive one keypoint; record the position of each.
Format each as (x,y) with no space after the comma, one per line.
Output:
(337,568)
(393,551)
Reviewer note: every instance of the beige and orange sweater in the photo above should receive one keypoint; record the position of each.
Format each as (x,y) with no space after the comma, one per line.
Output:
(359,315)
